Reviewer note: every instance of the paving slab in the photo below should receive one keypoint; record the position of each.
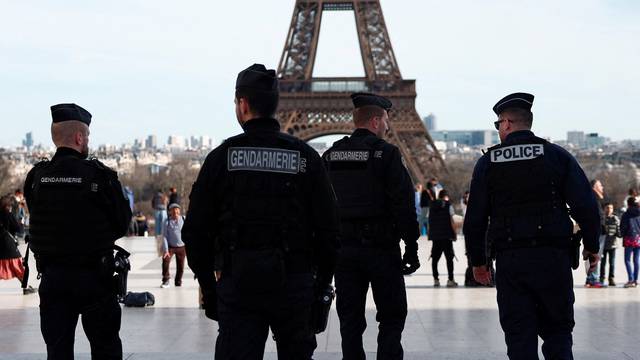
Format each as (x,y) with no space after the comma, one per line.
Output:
(442,323)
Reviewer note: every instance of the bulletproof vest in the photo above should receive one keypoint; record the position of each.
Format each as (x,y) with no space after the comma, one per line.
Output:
(69,210)
(440,221)
(356,179)
(525,194)
(264,203)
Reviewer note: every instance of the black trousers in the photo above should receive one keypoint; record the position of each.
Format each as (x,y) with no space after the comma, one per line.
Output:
(68,292)
(442,246)
(358,267)
(535,298)
(244,320)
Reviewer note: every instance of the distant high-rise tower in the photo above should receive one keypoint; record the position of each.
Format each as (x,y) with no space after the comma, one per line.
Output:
(28,141)
(152,142)
(430,122)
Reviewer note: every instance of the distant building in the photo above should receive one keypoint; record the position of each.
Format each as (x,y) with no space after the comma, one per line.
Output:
(467,137)
(593,140)
(585,141)
(28,140)
(176,142)
(139,144)
(152,142)
(576,138)
(430,122)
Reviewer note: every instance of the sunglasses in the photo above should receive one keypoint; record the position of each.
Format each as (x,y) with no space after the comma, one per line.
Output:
(497,123)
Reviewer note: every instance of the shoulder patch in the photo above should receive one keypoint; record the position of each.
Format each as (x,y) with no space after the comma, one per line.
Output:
(263,159)
(348,155)
(516,153)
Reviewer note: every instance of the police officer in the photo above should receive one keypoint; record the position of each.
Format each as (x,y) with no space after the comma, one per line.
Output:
(518,204)
(262,221)
(376,207)
(78,211)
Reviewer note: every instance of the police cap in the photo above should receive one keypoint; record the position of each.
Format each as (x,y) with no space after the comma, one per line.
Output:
(67,112)
(515,100)
(361,99)
(257,77)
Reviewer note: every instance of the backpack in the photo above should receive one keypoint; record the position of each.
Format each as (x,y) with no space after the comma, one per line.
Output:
(141,299)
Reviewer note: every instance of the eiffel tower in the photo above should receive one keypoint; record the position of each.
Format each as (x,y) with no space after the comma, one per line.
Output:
(311,107)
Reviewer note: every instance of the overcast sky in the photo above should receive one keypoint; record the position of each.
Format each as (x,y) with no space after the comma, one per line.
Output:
(169,67)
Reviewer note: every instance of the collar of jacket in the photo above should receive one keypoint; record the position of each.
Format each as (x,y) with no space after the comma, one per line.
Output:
(261,124)
(518,135)
(360,132)
(65,151)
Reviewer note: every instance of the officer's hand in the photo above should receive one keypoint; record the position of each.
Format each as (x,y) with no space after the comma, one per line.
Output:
(409,267)
(410,262)
(218,275)
(593,260)
(210,300)
(482,275)
(166,255)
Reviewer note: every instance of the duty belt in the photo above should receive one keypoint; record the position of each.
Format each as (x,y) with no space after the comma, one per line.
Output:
(509,244)
(367,234)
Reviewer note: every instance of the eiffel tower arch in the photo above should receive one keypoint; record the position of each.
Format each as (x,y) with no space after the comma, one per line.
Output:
(311,107)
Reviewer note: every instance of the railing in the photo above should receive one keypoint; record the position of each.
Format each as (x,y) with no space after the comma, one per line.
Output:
(345,85)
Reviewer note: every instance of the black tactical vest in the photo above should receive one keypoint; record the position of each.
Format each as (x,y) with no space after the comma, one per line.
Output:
(70,211)
(356,179)
(527,207)
(440,221)
(264,203)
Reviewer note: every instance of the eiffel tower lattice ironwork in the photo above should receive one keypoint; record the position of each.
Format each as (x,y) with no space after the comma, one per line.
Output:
(312,107)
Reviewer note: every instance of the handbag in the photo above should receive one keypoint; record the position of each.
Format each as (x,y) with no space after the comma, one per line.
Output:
(8,245)
(632,241)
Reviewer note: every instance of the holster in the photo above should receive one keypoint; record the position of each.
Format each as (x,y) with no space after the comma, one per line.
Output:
(121,267)
(25,277)
(321,308)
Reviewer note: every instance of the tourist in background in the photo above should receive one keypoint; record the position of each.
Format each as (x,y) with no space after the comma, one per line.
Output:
(630,231)
(442,233)
(612,233)
(172,245)
(10,258)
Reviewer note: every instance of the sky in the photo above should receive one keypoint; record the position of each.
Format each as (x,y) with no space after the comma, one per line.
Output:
(167,67)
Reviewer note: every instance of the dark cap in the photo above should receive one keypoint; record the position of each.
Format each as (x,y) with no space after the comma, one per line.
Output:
(67,112)
(361,99)
(257,77)
(515,100)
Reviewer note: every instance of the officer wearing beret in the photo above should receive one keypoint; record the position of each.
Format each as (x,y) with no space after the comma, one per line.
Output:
(376,207)
(74,249)
(261,230)
(518,205)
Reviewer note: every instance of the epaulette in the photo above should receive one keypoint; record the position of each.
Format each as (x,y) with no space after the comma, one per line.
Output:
(491,148)
(100,165)
(42,161)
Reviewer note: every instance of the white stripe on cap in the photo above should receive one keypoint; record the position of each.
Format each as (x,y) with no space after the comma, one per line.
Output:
(525,100)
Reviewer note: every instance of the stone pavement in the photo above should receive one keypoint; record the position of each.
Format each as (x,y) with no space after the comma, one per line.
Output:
(457,323)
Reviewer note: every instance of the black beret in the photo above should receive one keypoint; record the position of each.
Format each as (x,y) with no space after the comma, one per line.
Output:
(257,77)
(66,112)
(515,100)
(361,99)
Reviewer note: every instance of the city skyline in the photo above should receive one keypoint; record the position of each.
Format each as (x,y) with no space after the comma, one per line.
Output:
(172,68)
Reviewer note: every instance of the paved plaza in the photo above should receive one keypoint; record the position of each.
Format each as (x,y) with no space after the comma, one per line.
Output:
(456,323)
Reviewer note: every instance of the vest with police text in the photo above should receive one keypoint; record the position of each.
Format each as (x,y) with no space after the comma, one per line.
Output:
(526,204)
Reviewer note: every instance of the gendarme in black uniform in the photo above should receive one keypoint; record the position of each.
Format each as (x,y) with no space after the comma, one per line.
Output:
(376,207)
(262,212)
(77,211)
(518,202)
